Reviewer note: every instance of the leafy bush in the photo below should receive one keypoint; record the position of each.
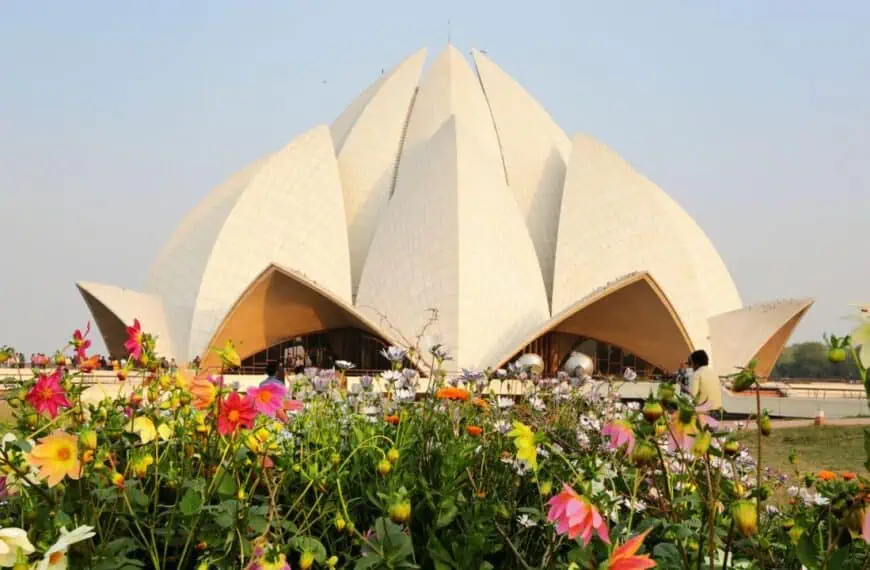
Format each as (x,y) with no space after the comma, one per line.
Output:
(182,471)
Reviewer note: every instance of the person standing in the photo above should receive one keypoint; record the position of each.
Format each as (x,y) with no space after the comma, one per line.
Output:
(704,384)
(683,376)
(272,376)
(295,356)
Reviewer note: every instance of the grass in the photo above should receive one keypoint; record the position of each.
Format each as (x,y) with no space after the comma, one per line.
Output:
(837,448)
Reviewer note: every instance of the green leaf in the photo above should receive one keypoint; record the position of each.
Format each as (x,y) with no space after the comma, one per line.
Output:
(368,561)
(447,511)
(309,544)
(667,553)
(137,497)
(227,486)
(257,523)
(867,447)
(807,551)
(838,558)
(191,502)
(224,520)
(440,555)
(63,519)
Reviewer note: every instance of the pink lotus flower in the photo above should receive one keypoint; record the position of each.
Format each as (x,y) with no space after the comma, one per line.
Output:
(135,340)
(619,434)
(268,399)
(624,557)
(47,395)
(575,516)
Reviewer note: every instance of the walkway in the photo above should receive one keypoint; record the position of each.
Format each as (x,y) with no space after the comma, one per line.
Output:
(785,424)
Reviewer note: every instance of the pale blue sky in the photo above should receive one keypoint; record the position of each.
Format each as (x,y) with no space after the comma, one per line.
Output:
(117,117)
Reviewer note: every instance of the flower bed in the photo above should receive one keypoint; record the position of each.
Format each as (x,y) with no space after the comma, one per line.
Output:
(181,472)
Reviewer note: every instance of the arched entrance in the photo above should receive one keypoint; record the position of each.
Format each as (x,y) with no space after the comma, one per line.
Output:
(321,350)
(555,347)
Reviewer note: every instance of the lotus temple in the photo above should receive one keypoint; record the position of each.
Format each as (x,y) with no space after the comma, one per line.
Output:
(445,190)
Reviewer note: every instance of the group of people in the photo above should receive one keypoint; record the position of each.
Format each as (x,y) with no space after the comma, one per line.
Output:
(40,360)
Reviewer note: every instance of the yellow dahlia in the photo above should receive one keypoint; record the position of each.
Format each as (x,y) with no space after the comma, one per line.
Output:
(56,456)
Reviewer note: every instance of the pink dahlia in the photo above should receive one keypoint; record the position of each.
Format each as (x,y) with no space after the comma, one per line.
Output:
(619,434)
(81,344)
(47,395)
(236,413)
(135,340)
(575,516)
(268,399)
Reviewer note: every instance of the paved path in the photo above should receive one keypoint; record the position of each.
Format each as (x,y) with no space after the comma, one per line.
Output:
(785,424)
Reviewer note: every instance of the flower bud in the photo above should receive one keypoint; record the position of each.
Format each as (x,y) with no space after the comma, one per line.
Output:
(384,467)
(393,455)
(745,517)
(335,459)
(702,444)
(652,411)
(88,439)
(661,429)
(546,488)
(854,520)
(765,425)
(117,480)
(731,447)
(306,560)
(643,453)
(400,512)
(787,524)
(340,524)
(332,561)
(795,534)
(666,392)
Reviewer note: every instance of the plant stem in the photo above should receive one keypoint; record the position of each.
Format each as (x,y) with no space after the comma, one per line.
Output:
(758,459)
(728,545)
(513,548)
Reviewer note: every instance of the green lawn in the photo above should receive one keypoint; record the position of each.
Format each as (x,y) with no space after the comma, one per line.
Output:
(837,448)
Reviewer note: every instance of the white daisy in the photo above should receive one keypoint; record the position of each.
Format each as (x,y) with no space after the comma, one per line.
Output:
(526,521)
(56,557)
(11,541)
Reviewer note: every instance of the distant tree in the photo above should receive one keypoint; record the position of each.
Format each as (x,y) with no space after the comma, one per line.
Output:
(810,360)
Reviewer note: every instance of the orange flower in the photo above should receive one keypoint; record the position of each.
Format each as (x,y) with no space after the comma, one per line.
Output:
(393,419)
(481,403)
(625,557)
(848,475)
(474,431)
(826,475)
(89,364)
(452,394)
(56,456)
(204,392)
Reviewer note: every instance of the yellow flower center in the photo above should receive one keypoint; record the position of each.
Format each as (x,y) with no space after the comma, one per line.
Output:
(264,397)
(233,416)
(47,393)
(63,454)
(55,557)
